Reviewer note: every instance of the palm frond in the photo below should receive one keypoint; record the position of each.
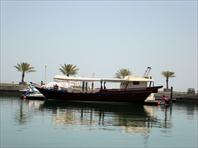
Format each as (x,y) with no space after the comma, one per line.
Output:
(123,73)
(168,74)
(68,69)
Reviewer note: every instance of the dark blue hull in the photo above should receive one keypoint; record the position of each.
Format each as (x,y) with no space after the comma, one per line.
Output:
(115,95)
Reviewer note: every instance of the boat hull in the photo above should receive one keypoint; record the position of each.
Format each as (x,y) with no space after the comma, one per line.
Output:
(109,95)
(33,97)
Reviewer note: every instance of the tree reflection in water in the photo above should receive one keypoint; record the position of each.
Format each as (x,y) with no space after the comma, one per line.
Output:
(22,115)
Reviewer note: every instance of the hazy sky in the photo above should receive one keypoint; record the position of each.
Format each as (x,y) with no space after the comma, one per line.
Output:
(101,37)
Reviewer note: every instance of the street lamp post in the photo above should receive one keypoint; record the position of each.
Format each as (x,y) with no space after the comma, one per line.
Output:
(45,73)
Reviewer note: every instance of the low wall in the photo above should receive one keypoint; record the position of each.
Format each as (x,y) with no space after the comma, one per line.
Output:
(9,87)
(178,96)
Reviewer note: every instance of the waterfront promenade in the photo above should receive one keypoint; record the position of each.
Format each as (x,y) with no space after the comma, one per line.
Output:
(11,87)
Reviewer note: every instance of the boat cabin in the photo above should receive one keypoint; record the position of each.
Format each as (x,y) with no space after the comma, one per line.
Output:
(86,84)
(136,82)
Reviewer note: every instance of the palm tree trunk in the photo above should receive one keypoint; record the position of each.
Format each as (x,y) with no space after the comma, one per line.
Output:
(167,82)
(22,79)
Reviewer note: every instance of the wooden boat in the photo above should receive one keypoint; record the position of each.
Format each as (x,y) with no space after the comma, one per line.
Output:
(132,89)
(115,95)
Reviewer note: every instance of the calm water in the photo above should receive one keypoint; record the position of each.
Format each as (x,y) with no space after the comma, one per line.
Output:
(77,124)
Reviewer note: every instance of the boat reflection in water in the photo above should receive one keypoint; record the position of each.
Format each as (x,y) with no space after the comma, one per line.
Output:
(126,117)
(130,118)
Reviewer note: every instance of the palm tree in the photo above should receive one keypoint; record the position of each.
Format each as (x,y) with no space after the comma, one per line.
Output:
(167,75)
(121,73)
(69,69)
(24,68)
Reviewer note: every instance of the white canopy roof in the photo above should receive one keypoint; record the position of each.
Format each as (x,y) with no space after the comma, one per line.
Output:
(136,78)
(88,79)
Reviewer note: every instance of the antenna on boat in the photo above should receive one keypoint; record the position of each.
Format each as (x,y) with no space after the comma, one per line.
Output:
(147,71)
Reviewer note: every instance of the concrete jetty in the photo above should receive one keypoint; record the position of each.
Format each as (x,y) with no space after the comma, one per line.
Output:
(10,87)
(178,96)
